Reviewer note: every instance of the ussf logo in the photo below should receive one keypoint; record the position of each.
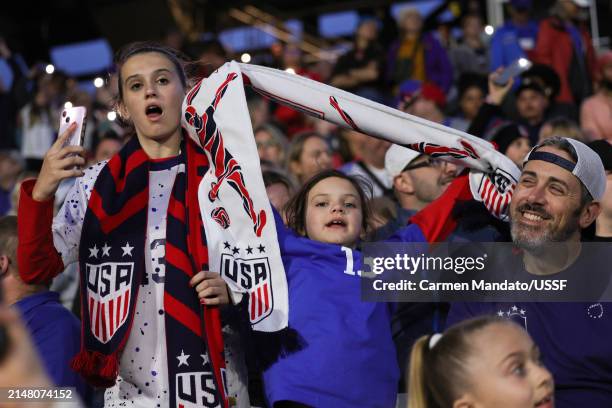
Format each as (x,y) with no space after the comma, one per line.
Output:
(108,297)
(254,276)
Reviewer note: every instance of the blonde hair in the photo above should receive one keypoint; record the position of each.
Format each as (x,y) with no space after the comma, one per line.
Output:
(436,376)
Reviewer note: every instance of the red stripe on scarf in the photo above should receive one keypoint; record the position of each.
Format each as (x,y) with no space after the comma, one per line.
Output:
(182,314)
(135,160)
(176,209)
(266,302)
(104,331)
(179,259)
(126,298)
(111,317)
(110,222)
(199,252)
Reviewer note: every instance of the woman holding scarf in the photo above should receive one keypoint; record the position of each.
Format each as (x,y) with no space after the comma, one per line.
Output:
(127,223)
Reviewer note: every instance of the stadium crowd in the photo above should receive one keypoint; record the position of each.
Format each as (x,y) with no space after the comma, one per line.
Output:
(445,355)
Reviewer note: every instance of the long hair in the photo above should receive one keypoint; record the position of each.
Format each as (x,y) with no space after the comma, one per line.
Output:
(437,375)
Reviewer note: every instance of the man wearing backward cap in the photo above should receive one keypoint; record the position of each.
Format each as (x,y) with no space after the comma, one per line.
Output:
(558,195)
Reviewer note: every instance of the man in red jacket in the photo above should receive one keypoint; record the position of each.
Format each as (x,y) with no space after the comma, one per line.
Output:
(568,48)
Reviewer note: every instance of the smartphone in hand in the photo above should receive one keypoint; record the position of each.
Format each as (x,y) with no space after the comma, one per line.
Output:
(76,114)
(516,68)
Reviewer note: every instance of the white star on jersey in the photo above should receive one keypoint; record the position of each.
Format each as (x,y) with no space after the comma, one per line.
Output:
(106,250)
(514,308)
(93,252)
(183,359)
(500,313)
(205,358)
(127,249)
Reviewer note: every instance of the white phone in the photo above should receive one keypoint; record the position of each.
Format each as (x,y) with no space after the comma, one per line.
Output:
(76,114)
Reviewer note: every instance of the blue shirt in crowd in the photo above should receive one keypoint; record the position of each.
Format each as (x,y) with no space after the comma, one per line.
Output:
(510,42)
(56,334)
(349,358)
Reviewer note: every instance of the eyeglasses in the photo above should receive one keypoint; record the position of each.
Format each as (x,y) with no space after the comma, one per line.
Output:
(430,162)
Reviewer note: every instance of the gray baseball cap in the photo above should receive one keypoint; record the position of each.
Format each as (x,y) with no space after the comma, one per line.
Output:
(588,168)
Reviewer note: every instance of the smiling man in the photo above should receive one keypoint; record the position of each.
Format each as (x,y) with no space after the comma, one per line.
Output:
(558,194)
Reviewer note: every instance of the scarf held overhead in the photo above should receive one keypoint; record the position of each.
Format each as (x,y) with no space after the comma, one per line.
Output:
(234,207)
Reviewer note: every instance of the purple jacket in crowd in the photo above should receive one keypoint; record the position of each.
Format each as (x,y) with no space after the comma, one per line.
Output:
(437,64)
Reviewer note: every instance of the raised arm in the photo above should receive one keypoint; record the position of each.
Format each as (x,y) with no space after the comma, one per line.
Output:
(39,260)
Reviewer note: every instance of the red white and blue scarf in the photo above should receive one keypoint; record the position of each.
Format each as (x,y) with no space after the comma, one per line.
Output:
(116,218)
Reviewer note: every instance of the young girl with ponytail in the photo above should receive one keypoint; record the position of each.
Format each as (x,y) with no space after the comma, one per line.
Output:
(486,362)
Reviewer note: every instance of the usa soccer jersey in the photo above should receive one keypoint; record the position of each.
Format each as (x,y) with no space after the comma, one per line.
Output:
(143,373)
(349,357)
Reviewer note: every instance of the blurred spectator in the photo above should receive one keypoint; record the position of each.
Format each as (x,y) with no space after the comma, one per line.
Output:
(417,180)
(516,38)
(472,91)
(259,110)
(20,365)
(568,48)
(8,105)
(279,188)
(596,111)
(271,144)
(173,37)
(359,70)
(293,60)
(490,112)
(212,55)
(513,141)
(17,189)
(350,145)
(38,119)
(531,105)
(307,155)
(10,167)
(471,53)
(603,223)
(546,78)
(560,126)
(383,211)
(292,120)
(55,331)
(371,165)
(416,55)
(424,100)
(106,148)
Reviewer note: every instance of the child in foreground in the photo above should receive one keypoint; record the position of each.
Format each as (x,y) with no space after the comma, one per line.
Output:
(486,362)
(349,358)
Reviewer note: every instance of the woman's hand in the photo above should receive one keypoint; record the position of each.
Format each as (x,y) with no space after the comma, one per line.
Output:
(212,289)
(60,163)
